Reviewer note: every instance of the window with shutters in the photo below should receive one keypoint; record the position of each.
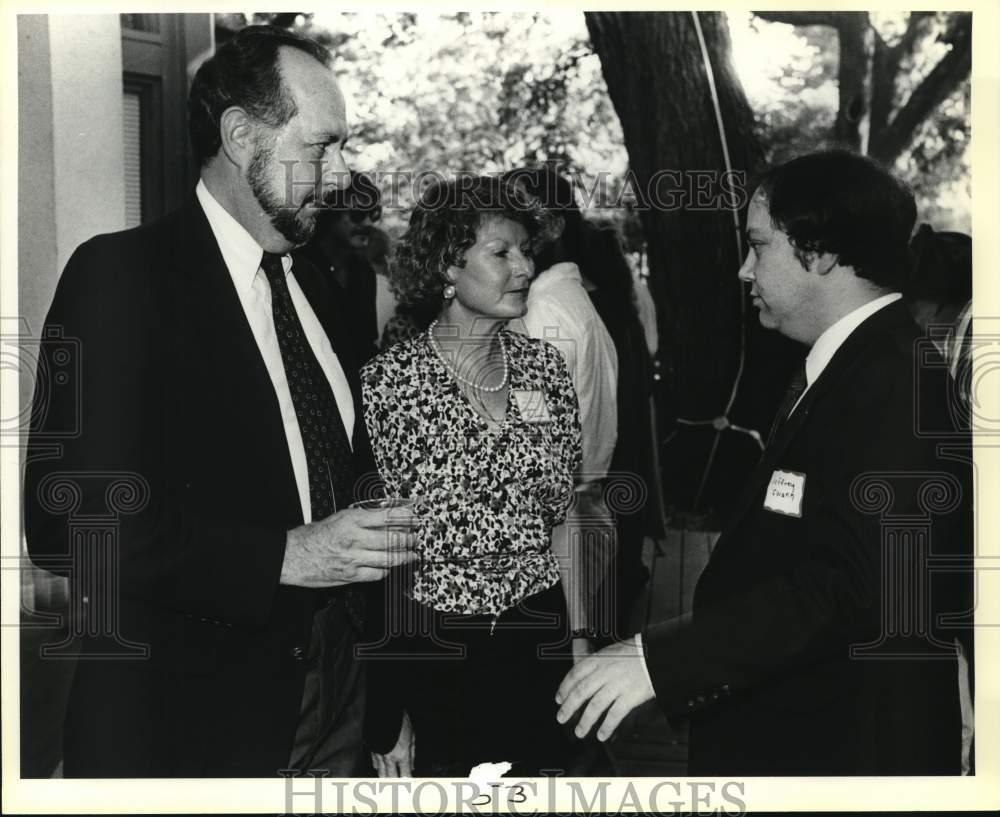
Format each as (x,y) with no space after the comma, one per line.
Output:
(156,162)
(132,119)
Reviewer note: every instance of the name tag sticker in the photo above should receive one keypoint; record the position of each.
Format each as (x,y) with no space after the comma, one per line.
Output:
(532,406)
(785,493)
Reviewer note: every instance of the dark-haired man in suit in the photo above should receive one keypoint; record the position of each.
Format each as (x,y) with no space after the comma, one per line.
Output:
(338,248)
(817,644)
(214,382)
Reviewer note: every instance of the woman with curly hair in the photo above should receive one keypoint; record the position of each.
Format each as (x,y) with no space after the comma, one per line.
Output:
(481,425)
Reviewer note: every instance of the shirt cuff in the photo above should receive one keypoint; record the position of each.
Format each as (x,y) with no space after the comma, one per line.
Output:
(642,655)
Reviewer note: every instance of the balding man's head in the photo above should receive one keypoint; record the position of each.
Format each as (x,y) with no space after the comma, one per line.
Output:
(246,73)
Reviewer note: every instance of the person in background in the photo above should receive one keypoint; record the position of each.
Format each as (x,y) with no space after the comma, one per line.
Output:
(605,265)
(406,322)
(645,307)
(377,251)
(938,291)
(818,645)
(480,426)
(339,247)
(560,311)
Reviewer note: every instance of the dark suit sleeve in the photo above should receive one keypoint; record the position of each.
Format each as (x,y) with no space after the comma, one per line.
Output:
(830,599)
(168,553)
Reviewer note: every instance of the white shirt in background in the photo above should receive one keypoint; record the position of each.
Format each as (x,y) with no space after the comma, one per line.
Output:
(646,307)
(561,312)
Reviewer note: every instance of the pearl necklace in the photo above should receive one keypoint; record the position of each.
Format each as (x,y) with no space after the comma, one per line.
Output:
(432,342)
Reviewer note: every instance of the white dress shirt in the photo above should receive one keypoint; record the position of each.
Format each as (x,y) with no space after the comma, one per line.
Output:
(243,256)
(954,348)
(561,312)
(832,339)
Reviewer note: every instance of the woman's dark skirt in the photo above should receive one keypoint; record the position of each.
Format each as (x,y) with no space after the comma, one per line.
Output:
(476,689)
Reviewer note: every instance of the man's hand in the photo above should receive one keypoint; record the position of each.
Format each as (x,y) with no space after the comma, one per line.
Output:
(398,762)
(354,545)
(613,680)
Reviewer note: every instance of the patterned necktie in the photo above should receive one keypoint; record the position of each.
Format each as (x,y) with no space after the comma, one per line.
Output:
(796,386)
(328,451)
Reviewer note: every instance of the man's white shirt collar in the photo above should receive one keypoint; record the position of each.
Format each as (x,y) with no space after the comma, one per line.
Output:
(953,353)
(833,338)
(240,251)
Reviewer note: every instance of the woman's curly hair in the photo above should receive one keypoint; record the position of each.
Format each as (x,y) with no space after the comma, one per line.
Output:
(444,225)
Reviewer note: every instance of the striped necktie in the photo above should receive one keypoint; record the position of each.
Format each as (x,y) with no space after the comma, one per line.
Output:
(796,387)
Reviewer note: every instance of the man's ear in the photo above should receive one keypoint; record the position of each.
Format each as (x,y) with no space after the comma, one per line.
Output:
(238,136)
(822,262)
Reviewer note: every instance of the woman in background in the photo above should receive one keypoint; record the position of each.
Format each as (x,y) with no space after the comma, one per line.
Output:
(482,426)
(605,265)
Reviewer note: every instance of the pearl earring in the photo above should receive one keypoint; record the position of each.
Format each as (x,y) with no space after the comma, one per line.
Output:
(448,292)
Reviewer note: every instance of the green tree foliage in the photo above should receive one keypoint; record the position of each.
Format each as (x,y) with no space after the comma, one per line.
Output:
(487,91)
(445,93)
(790,64)
(484,92)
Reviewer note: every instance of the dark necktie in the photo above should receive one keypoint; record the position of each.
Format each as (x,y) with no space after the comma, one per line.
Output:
(328,451)
(796,386)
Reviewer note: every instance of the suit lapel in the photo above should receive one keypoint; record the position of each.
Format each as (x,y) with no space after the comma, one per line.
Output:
(893,315)
(211,307)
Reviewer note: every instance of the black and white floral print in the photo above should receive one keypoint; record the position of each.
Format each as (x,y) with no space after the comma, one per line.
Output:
(489,493)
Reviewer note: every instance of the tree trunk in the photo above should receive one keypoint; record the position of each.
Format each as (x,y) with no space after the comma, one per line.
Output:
(853,88)
(657,80)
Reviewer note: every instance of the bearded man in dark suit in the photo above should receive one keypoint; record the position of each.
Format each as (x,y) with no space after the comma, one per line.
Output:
(820,641)
(219,429)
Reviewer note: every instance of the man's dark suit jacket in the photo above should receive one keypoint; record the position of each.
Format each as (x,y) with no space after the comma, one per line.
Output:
(173,391)
(765,669)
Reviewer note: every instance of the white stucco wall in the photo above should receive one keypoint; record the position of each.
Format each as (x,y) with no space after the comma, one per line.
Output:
(70,180)
(36,232)
(87,128)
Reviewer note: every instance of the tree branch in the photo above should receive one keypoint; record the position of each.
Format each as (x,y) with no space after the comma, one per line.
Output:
(945,77)
(853,29)
(885,69)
